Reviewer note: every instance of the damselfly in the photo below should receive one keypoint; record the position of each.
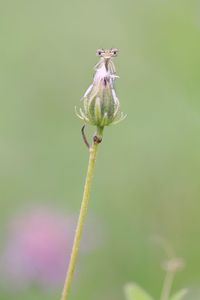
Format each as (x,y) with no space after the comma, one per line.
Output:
(104,69)
(106,59)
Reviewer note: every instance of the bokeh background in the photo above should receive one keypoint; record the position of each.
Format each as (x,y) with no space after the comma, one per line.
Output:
(147,175)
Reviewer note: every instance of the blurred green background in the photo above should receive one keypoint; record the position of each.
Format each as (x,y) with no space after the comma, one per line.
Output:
(147,174)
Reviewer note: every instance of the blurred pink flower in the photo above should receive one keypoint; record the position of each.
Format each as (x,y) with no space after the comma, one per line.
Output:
(37,248)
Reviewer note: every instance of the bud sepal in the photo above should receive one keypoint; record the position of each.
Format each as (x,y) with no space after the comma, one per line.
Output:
(101,106)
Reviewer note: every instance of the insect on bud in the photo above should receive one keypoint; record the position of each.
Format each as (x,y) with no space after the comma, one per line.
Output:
(101,106)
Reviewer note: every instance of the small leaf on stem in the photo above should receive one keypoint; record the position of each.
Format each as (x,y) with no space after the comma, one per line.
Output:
(135,292)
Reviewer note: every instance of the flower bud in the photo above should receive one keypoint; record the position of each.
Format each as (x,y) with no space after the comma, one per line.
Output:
(173,265)
(101,106)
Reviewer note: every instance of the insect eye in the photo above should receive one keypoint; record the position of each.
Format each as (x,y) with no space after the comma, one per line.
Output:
(114,51)
(100,52)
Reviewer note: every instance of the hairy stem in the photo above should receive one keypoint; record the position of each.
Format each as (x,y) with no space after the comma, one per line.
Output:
(81,219)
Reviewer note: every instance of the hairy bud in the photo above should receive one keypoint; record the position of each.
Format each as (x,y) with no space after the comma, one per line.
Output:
(101,106)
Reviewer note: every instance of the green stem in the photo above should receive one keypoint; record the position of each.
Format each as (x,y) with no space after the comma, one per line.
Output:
(167,285)
(81,219)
